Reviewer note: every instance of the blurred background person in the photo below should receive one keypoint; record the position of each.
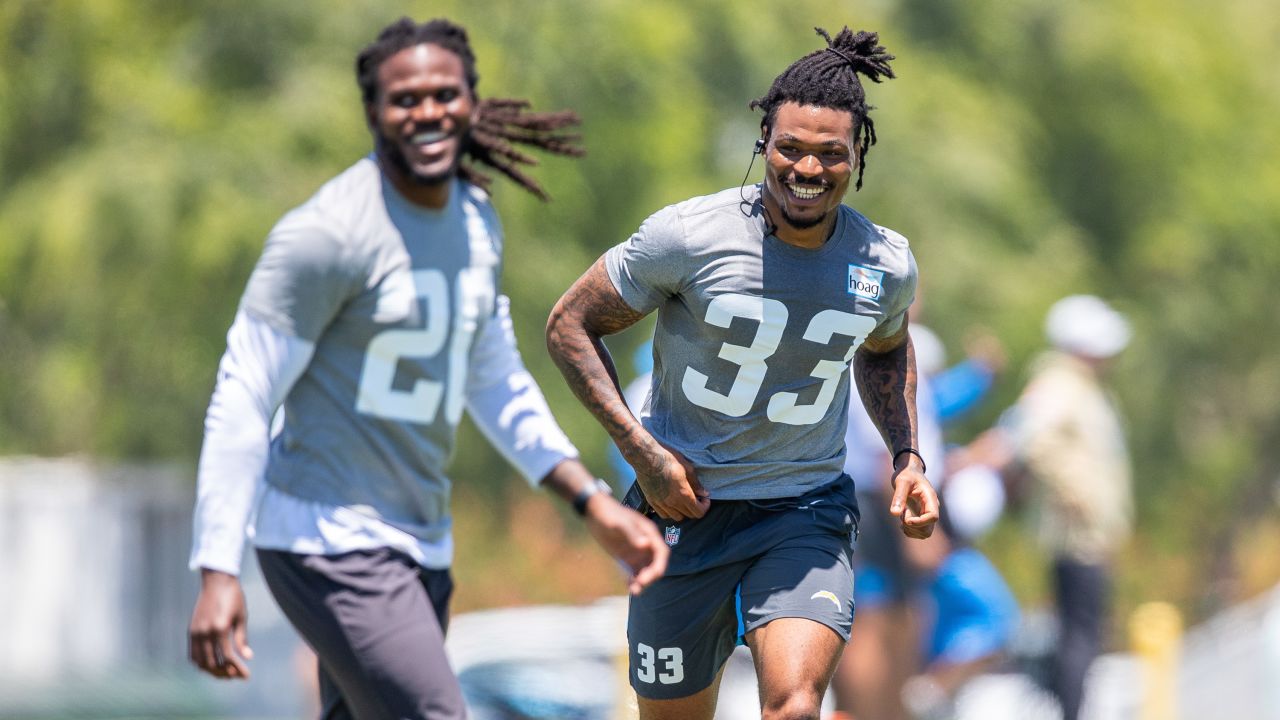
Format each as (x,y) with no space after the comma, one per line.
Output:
(1065,438)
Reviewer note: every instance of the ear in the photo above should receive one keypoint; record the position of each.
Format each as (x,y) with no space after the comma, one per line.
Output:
(371,115)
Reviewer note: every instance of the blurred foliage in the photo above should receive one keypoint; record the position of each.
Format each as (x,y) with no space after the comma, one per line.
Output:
(1029,148)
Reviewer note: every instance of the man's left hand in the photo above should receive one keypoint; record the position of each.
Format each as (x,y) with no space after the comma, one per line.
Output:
(915,502)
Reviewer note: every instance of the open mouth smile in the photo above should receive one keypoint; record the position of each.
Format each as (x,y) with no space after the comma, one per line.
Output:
(428,138)
(806,192)
(426,144)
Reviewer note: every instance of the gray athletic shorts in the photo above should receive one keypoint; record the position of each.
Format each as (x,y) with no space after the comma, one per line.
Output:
(376,622)
(742,565)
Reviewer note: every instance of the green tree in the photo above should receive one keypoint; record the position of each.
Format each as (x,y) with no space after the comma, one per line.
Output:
(1029,149)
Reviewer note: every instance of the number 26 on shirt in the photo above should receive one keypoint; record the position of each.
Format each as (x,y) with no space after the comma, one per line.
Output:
(473,296)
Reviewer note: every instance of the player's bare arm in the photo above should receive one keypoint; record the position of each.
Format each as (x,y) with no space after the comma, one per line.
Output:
(589,310)
(884,369)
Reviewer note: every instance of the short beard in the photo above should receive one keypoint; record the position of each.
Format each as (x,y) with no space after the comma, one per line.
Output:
(794,222)
(391,153)
(798,223)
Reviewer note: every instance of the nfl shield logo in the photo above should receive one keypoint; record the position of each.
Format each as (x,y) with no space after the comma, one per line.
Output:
(672,535)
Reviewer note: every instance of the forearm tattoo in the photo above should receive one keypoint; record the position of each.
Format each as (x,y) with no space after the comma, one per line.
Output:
(588,311)
(887,384)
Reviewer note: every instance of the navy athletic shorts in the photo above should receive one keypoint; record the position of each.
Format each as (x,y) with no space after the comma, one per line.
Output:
(742,565)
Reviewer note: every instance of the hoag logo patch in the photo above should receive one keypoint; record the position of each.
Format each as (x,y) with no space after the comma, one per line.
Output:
(865,282)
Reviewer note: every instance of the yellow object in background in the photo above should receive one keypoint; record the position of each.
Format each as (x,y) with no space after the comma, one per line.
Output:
(1155,634)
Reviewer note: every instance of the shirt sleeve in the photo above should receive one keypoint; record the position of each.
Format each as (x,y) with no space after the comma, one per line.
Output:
(304,276)
(652,264)
(507,405)
(257,370)
(895,315)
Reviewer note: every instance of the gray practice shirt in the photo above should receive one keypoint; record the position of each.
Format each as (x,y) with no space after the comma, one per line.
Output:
(398,300)
(754,337)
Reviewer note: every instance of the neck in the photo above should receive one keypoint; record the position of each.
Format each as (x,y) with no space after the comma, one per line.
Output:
(433,196)
(1096,365)
(810,238)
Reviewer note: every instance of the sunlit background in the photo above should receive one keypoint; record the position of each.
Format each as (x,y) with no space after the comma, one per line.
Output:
(1029,149)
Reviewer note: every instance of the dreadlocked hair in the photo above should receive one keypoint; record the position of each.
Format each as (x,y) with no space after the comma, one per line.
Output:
(829,78)
(499,124)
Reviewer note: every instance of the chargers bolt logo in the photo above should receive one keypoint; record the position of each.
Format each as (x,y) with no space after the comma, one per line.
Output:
(827,595)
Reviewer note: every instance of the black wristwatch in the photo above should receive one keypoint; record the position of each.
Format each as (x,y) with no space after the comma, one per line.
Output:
(593,487)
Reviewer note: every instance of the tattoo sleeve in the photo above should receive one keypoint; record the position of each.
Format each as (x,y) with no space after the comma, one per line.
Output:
(885,373)
(589,310)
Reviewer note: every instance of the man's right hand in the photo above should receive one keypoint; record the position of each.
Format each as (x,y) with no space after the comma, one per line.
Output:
(217,639)
(630,537)
(670,484)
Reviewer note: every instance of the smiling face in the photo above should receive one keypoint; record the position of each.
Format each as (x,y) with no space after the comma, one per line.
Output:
(420,117)
(810,159)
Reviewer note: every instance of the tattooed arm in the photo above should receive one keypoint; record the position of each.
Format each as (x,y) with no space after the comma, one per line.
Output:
(884,370)
(589,310)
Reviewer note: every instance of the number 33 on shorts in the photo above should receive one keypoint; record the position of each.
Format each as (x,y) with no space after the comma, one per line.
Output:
(664,665)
